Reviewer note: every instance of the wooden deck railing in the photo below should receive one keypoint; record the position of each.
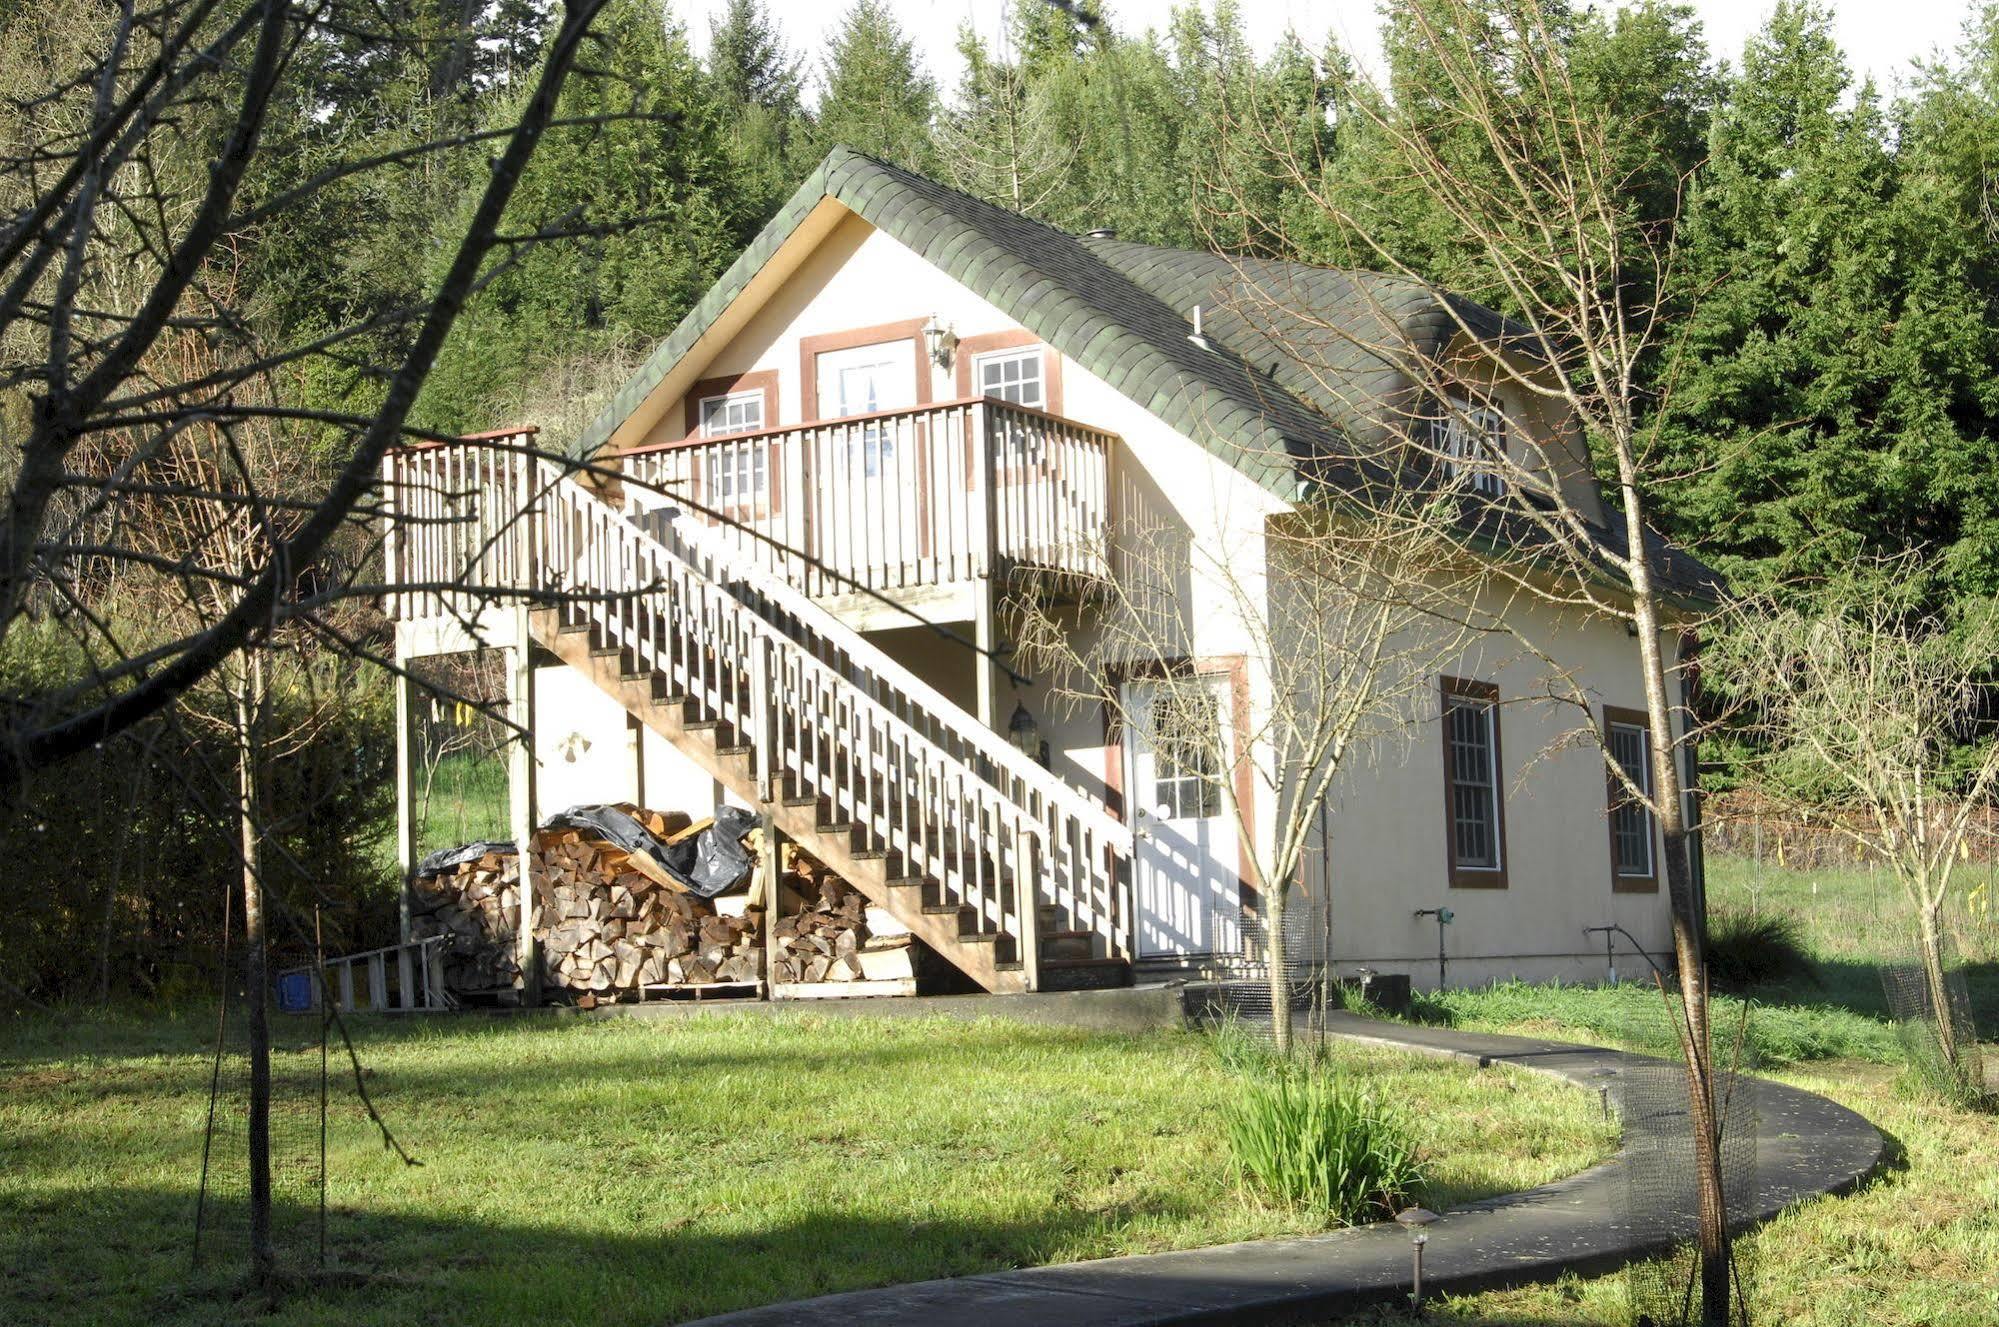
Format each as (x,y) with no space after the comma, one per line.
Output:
(457,533)
(933,495)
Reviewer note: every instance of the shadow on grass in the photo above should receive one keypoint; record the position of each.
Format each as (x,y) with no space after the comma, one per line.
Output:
(115,1256)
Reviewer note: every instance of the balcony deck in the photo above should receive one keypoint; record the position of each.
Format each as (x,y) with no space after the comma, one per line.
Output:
(881,518)
(915,506)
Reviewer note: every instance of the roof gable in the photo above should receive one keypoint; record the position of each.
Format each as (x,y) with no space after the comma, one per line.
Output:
(1052,284)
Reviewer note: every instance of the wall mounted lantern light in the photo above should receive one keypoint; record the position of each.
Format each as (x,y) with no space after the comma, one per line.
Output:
(943,342)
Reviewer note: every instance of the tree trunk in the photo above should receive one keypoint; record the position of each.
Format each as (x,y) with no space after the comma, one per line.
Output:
(249,700)
(1930,922)
(1280,976)
(1689,946)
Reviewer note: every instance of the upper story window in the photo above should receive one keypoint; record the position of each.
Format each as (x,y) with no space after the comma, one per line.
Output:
(1016,376)
(1472,792)
(734,412)
(1628,743)
(1472,439)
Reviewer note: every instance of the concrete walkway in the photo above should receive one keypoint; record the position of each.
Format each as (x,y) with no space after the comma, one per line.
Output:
(1805,1146)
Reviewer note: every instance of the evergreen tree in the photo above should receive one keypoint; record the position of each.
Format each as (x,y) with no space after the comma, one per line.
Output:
(876,97)
(636,214)
(750,63)
(758,83)
(1779,406)
(1110,101)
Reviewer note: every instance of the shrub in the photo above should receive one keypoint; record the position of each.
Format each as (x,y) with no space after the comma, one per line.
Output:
(1756,948)
(1313,1143)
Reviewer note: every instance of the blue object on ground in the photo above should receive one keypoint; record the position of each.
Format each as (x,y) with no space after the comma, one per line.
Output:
(295,992)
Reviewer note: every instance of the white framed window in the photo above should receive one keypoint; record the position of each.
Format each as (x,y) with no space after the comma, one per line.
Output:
(739,474)
(1471,438)
(735,412)
(1630,748)
(1474,782)
(1017,376)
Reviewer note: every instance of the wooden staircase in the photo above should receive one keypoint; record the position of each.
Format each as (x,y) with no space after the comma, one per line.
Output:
(991,861)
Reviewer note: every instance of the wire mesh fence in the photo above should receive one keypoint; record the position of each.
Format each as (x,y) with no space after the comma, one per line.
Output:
(1930,1003)
(1241,992)
(221,1231)
(1660,1201)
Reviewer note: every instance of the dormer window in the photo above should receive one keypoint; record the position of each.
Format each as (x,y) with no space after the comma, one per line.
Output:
(1472,439)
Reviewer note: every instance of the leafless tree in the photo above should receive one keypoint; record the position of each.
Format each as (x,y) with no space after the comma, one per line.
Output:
(998,140)
(1341,621)
(109,243)
(1519,177)
(1873,717)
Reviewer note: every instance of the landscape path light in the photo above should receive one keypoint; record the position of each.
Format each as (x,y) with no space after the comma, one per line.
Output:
(1414,1220)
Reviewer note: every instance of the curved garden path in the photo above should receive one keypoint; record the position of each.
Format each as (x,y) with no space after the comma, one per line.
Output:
(1805,1146)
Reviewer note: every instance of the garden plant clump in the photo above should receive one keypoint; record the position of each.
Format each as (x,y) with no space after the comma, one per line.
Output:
(1302,1133)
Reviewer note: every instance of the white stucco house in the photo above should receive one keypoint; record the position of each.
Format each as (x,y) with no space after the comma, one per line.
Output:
(774,581)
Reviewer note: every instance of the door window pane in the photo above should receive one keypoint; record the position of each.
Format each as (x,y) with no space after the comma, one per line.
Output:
(1185,737)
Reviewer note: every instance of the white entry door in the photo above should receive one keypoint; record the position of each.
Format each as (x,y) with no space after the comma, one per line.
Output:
(866,505)
(1185,879)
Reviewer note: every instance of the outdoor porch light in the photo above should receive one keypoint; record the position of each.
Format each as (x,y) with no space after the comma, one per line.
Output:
(1025,734)
(943,342)
(1413,1219)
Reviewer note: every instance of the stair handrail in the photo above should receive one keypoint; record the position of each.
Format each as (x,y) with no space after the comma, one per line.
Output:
(1095,899)
(985,741)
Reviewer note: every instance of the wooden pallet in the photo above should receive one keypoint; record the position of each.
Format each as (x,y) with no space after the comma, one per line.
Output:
(713,990)
(841,990)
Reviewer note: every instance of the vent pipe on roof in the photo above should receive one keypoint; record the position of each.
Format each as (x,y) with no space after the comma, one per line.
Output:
(1195,335)
(1101,233)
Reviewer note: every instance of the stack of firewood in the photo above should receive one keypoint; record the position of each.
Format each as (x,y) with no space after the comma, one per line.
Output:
(826,931)
(476,903)
(610,922)
(614,921)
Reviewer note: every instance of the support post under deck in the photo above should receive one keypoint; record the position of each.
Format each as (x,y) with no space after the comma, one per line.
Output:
(521,797)
(405,828)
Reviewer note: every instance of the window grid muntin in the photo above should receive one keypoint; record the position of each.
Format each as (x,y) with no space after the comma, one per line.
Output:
(1471,437)
(1474,784)
(1016,376)
(732,413)
(1631,819)
(739,474)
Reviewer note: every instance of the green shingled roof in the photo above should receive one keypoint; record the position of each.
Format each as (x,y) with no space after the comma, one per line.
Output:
(1054,285)
(1283,374)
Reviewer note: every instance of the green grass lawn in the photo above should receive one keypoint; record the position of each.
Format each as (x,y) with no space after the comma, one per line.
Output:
(646,1171)
(1918,1246)
(468,801)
